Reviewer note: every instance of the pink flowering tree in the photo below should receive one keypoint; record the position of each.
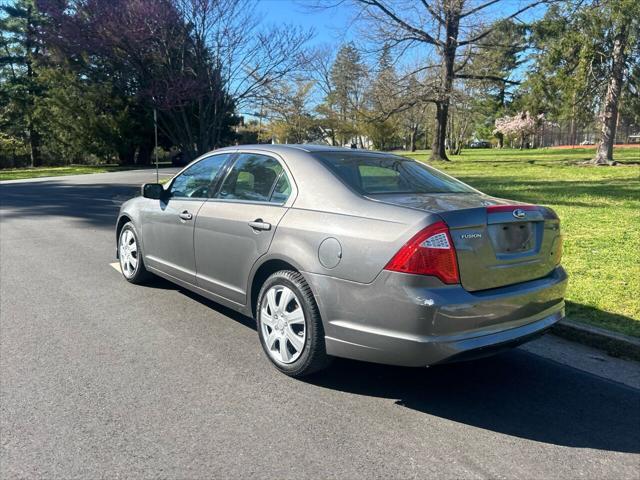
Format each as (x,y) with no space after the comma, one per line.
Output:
(520,125)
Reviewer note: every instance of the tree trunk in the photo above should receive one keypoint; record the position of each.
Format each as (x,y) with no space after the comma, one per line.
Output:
(413,135)
(34,146)
(438,151)
(144,153)
(500,138)
(426,136)
(452,25)
(127,155)
(604,153)
(572,123)
(34,136)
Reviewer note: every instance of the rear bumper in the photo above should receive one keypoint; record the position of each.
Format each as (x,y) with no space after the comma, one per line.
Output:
(410,320)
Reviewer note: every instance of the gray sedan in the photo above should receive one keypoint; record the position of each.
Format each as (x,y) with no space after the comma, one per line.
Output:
(344,253)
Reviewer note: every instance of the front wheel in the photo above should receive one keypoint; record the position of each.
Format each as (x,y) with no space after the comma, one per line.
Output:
(130,255)
(289,325)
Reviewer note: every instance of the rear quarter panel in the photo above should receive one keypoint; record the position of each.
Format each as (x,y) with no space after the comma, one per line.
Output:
(366,243)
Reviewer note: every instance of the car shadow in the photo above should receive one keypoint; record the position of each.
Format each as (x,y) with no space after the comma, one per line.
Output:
(163,284)
(515,393)
(221,309)
(96,204)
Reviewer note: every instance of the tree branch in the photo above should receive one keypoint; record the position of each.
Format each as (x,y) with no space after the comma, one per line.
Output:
(433,13)
(493,27)
(404,25)
(486,77)
(478,8)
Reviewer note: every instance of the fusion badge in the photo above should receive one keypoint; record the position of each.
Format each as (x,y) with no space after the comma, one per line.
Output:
(469,236)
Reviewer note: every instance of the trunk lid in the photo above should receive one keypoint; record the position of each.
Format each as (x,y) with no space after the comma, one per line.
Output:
(494,246)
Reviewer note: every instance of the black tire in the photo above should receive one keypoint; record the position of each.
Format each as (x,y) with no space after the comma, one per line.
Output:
(140,274)
(314,355)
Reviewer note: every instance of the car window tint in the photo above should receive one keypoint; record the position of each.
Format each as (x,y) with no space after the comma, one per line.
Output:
(379,179)
(377,174)
(197,181)
(251,178)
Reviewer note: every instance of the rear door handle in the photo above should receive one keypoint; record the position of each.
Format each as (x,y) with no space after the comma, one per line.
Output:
(185,215)
(258,224)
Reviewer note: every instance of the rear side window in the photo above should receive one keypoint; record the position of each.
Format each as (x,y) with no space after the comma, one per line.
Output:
(283,189)
(256,178)
(377,174)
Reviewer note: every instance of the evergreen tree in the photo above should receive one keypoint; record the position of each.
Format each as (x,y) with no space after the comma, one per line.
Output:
(349,77)
(381,127)
(498,57)
(20,44)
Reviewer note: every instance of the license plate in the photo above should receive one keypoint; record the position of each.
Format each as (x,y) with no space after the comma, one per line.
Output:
(514,237)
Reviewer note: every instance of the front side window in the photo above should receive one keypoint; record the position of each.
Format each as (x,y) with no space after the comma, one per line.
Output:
(377,174)
(256,178)
(198,181)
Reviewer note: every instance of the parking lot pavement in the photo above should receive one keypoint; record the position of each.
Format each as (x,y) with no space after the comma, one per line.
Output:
(100,378)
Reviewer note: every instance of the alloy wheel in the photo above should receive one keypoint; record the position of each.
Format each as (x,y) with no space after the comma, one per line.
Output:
(128,253)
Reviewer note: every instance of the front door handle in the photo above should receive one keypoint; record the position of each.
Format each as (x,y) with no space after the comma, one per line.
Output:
(185,215)
(258,224)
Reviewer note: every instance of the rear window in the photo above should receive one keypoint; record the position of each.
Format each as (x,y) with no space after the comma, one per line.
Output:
(376,174)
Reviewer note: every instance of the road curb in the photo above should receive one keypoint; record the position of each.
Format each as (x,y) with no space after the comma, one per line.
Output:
(615,344)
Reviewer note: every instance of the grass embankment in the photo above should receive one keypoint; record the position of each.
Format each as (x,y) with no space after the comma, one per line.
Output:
(600,212)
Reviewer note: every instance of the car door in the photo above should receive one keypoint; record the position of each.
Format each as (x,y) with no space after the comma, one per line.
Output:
(236,227)
(167,224)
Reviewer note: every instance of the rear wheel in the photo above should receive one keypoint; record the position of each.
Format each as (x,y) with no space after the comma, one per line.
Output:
(289,325)
(130,255)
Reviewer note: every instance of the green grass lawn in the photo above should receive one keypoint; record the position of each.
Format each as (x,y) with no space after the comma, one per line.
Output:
(24,173)
(599,209)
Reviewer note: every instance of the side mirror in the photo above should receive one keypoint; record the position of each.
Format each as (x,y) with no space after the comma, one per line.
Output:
(153,190)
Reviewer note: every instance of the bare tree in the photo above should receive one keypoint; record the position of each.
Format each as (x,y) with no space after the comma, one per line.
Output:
(449,29)
(235,61)
(289,111)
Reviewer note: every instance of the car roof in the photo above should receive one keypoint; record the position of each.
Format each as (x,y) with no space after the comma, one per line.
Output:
(310,148)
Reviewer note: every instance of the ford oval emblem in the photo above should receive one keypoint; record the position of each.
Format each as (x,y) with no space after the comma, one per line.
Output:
(519,213)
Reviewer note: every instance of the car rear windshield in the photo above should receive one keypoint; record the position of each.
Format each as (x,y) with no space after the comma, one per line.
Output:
(377,174)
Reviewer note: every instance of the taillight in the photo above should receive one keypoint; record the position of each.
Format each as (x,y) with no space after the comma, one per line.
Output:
(429,252)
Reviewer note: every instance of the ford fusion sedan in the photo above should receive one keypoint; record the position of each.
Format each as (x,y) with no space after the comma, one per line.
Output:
(345,253)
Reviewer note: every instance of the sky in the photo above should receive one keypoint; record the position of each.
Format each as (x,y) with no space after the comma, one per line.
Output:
(331,26)
(335,26)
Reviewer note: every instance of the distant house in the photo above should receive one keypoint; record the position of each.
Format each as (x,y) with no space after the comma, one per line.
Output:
(353,142)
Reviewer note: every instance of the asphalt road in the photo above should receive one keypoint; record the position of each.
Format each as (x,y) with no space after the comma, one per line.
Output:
(100,378)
